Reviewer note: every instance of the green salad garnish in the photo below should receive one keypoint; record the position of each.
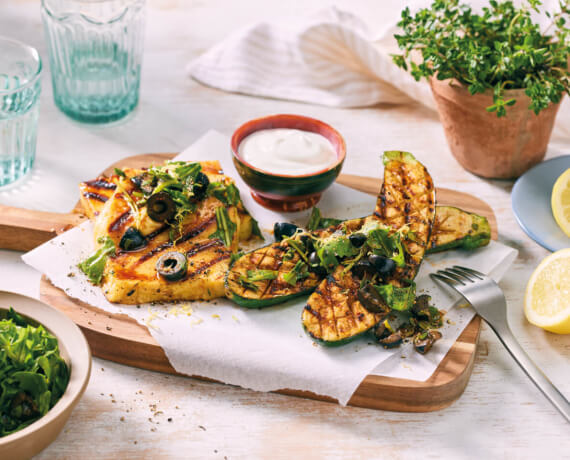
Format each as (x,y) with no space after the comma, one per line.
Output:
(33,375)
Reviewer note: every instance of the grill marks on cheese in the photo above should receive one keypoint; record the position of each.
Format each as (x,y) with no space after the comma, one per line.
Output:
(130,277)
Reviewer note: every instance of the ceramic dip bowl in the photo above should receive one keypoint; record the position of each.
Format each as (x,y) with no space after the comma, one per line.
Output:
(74,349)
(283,192)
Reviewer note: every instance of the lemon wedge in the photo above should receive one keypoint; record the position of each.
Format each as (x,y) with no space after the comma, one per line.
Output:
(560,201)
(547,298)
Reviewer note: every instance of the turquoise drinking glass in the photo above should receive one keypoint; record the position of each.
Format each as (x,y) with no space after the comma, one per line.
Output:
(20,87)
(95,54)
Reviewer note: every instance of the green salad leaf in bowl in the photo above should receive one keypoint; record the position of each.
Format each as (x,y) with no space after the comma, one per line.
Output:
(33,375)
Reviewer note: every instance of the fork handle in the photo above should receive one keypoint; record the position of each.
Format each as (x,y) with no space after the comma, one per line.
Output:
(532,371)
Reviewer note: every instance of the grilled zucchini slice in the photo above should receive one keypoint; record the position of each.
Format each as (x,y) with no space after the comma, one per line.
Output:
(455,228)
(333,315)
(277,259)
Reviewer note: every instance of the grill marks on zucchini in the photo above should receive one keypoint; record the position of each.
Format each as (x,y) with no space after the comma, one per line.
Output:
(455,228)
(262,293)
(333,314)
(407,198)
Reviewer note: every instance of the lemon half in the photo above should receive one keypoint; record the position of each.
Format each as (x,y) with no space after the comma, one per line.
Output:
(547,298)
(560,201)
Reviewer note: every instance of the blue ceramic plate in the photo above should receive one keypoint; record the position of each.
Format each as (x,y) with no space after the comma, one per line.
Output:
(531,203)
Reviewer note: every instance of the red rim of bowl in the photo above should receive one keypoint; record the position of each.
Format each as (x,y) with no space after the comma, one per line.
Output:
(285,121)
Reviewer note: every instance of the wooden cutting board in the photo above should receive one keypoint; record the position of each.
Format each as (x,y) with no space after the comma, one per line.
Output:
(119,338)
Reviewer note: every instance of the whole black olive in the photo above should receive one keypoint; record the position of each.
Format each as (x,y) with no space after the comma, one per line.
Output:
(308,243)
(384,266)
(314,259)
(132,240)
(283,229)
(161,207)
(200,186)
(357,239)
(172,266)
(361,268)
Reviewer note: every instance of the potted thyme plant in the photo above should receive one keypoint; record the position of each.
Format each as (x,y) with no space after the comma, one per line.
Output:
(497,79)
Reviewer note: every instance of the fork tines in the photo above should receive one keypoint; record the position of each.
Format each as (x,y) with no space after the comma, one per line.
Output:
(457,274)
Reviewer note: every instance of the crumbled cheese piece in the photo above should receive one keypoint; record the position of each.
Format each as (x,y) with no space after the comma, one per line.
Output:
(152,316)
(215,316)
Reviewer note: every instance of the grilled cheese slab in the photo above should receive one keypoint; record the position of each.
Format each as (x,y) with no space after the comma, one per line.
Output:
(117,205)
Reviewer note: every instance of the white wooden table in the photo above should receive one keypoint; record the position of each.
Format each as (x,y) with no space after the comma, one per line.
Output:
(132,413)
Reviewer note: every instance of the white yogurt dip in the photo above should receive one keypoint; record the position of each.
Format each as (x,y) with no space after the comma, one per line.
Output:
(287,151)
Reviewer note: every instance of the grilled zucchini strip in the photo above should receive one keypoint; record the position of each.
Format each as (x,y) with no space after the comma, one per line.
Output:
(333,315)
(455,228)
(407,198)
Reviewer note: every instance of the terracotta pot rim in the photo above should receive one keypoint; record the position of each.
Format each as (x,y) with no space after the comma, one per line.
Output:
(458,86)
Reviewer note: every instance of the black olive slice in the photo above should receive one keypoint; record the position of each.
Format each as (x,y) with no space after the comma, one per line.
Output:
(357,239)
(161,207)
(372,300)
(283,229)
(132,240)
(172,266)
(362,268)
(200,186)
(144,182)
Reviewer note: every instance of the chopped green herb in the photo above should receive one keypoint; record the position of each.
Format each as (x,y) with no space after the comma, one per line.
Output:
(227,194)
(401,299)
(245,283)
(255,229)
(317,222)
(260,275)
(297,273)
(235,256)
(33,374)
(226,228)
(94,265)
(120,172)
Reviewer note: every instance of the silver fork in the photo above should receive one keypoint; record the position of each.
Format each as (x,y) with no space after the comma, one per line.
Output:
(489,302)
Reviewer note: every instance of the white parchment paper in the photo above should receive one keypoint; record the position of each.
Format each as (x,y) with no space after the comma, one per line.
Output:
(267,349)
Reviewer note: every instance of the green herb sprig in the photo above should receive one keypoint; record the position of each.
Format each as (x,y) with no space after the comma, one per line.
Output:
(498,50)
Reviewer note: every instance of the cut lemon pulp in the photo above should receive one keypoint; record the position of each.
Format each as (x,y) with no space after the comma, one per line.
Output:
(547,298)
(560,201)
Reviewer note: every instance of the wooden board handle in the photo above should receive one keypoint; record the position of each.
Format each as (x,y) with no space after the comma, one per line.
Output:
(364,184)
(24,229)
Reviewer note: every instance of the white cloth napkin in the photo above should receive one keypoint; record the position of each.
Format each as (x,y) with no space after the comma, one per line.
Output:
(330,59)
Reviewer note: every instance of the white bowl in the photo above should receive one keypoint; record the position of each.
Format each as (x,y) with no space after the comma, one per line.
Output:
(76,353)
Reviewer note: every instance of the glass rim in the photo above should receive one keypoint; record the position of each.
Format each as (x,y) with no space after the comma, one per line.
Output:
(116,18)
(34,54)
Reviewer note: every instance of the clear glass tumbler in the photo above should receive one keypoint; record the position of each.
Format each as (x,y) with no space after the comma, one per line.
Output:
(20,87)
(95,55)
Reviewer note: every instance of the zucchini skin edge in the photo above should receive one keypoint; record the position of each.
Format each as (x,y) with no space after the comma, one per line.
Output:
(341,342)
(262,303)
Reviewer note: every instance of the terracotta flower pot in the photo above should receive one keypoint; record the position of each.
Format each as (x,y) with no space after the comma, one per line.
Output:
(499,148)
